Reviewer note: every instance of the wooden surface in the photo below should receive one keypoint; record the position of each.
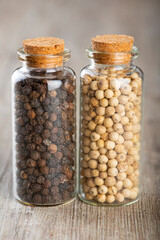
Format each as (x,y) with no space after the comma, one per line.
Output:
(77,22)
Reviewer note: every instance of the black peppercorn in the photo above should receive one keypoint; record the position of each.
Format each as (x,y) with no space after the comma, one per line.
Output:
(45,133)
(44,123)
(35,155)
(48,124)
(41,179)
(31,163)
(41,162)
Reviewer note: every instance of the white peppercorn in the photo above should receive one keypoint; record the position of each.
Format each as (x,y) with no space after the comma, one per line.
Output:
(121,157)
(119,197)
(101,198)
(111,154)
(102,83)
(116,118)
(112,172)
(127,183)
(102,167)
(112,163)
(110,111)
(108,93)
(133,194)
(110,198)
(98,181)
(103,175)
(128,135)
(102,189)
(122,167)
(99,94)
(119,185)
(104,102)
(93,146)
(110,181)
(85,188)
(117,93)
(100,111)
(93,191)
(94,85)
(123,99)
(124,120)
(113,136)
(87,173)
(95,136)
(113,101)
(91,125)
(119,148)
(115,84)
(86,141)
(126,192)
(84,164)
(118,127)
(129,106)
(94,154)
(92,164)
(100,129)
(109,145)
(120,108)
(99,119)
(121,176)
(90,182)
(103,159)
(88,196)
(126,89)
(120,140)
(103,151)
(108,122)
(128,144)
(95,173)
(112,190)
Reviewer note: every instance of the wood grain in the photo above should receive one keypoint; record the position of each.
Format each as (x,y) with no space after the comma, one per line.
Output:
(77,22)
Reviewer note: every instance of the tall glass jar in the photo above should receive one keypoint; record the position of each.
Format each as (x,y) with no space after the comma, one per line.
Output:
(110,106)
(43,104)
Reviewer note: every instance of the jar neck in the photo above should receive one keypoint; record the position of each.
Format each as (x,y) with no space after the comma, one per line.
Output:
(26,65)
(99,66)
(53,62)
(120,60)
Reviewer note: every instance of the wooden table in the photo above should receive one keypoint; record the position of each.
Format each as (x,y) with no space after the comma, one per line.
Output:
(77,22)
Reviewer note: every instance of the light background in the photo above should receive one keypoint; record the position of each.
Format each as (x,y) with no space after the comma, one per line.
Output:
(76,22)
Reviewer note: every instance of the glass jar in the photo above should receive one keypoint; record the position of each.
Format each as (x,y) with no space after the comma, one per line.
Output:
(110,109)
(43,104)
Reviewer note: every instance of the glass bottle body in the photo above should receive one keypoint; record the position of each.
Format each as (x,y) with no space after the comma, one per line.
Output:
(43,110)
(110,134)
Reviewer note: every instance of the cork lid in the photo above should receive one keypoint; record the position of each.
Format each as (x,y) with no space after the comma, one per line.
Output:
(112,49)
(44,52)
(112,43)
(43,45)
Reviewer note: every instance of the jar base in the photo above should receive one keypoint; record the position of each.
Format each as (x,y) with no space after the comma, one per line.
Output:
(44,205)
(107,204)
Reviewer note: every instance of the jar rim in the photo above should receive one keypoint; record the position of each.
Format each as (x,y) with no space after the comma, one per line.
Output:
(22,55)
(91,53)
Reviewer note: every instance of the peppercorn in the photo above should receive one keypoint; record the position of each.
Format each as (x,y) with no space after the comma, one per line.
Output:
(40,179)
(44,170)
(35,155)
(31,163)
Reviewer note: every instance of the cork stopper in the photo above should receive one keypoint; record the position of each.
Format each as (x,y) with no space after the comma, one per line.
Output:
(44,52)
(117,48)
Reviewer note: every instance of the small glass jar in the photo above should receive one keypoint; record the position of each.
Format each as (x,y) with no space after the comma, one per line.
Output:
(110,109)
(43,104)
